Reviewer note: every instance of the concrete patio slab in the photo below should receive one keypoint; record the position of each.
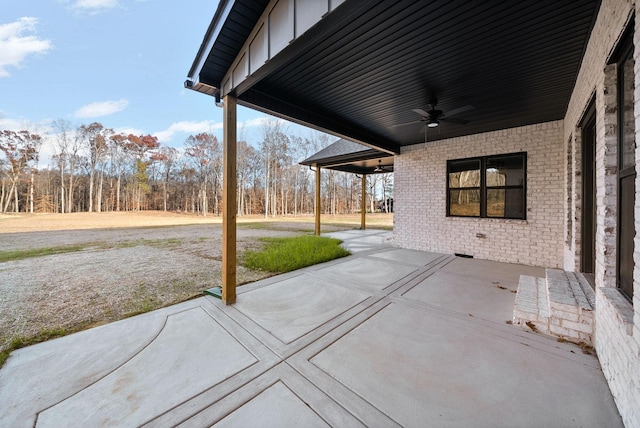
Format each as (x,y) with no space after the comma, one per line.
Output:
(277,404)
(365,273)
(507,274)
(434,370)
(289,311)
(418,258)
(386,338)
(97,378)
(94,354)
(357,241)
(282,397)
(466,293)
(117,399)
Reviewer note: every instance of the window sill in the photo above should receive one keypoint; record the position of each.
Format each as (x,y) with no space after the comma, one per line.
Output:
(488,219)
(622,307)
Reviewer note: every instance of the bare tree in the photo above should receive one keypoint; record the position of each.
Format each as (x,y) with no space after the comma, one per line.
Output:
(274,146)
(20,148)
(243,169)
(204,151)
(386,181)
(74,157)
(167,156)
(63,141)
(95,169)
(372,185)
(94,138)
(117,156)
(3,171)
(142,148)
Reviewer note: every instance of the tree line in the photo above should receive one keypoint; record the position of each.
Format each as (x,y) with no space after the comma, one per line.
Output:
(95,169)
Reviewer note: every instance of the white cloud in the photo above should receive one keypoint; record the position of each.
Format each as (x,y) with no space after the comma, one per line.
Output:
(256,122)
(187,127)
(94,6)
(261,121)
(12,124)
(127,131)
(99,109)
(15,46)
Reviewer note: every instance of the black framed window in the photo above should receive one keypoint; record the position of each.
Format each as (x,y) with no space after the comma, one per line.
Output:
(487,187)
(626,164)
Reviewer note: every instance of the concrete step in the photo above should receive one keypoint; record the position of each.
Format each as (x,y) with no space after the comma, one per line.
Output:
(532,304)
(562,305)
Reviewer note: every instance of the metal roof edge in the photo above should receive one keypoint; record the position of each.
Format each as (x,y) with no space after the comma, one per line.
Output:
(216,25)
(335,153)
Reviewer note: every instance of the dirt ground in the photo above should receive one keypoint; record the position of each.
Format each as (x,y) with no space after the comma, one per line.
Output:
(126,263)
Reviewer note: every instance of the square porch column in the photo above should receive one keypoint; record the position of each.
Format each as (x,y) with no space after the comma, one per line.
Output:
(363,203)
(317,200)
(229,209)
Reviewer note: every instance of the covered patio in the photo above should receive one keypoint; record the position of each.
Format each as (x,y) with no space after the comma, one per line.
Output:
(386,337)
(391,336)
(347,156)
(390,75)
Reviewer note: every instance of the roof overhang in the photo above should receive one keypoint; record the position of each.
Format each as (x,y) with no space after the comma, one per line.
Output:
(347,156)
(232,23)
(363,68)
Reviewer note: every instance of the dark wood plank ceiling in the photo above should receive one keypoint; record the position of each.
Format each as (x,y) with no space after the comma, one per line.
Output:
(362,70)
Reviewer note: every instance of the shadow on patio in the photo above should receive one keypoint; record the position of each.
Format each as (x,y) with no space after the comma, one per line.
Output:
(386,337)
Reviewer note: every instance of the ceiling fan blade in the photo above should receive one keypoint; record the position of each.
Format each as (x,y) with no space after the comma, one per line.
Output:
(421,112)
(406,123)
(458,110)
(454,120)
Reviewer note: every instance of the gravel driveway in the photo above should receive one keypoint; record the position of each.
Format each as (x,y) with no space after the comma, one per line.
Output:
(116,273)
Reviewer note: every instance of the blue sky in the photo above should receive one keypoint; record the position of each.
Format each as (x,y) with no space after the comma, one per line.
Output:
(118,62)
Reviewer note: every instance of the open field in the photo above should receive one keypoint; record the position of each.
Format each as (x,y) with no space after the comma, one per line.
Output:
(23,222)
(101,267)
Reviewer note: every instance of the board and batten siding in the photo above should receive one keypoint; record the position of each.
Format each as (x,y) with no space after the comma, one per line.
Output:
(282,22)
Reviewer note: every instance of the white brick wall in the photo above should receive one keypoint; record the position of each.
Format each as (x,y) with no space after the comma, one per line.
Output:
(553,202)
(613,16)
(617,322)
(420,198)
(618,352)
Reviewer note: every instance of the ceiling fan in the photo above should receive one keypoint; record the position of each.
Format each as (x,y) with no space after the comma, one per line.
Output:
(380,167)
(431,117)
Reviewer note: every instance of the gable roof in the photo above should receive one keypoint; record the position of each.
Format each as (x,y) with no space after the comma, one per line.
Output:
(345,155)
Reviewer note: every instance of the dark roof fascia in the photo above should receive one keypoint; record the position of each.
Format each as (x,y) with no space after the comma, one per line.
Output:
(214,32)
(339,147)
(216,25)
(352,169)
(343,151)
(343,159)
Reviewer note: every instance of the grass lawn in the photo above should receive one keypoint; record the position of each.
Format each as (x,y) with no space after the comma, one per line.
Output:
(286,254)
(20,341)
(7,256)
